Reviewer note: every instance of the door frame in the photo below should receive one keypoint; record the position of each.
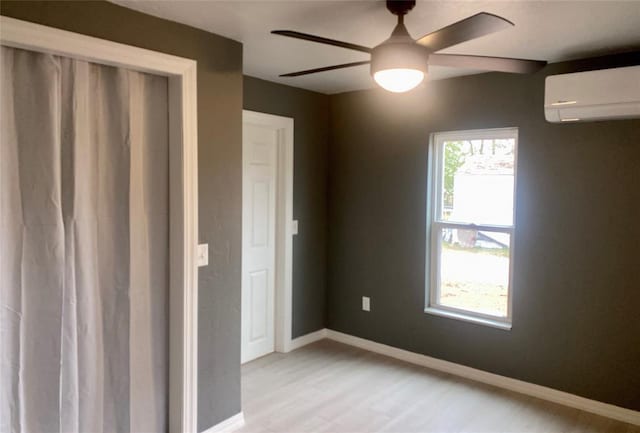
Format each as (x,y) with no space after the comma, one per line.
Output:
(183,188)
(284,223)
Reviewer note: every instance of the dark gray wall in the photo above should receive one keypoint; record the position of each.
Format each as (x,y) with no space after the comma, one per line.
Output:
(219,180)
(577,281)
(310,111)
(577,265)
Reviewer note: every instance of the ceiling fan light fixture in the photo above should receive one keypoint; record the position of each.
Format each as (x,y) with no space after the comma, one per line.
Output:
(399,66)
(398,80)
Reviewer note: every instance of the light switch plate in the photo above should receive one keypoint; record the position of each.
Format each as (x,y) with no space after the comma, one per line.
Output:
(366,303)
(294,227)
(203,255)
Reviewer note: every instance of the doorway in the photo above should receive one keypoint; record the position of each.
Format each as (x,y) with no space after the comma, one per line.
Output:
(183,192)
(267,208)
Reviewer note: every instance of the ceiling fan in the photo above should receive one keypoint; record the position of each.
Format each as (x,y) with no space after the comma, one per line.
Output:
(400,63)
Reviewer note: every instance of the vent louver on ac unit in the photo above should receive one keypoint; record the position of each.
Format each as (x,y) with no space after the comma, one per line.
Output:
(593,95)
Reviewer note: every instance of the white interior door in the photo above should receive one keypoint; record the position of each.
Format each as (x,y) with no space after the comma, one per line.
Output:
(260,151)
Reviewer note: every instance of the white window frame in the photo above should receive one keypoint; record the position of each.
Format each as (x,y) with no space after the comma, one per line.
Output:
(183,189)
(434,226)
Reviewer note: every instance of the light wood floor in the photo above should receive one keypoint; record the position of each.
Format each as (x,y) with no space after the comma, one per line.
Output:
(331,387)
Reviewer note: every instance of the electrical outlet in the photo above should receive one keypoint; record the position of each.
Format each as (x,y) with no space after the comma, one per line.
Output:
(366,303)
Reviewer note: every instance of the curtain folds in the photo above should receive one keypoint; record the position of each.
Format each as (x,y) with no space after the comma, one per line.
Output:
(83,246)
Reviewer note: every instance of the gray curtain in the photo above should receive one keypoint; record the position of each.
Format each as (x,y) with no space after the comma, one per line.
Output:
(83,247)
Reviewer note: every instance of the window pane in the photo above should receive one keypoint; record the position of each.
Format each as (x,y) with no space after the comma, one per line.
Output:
(478,179)
(474,271)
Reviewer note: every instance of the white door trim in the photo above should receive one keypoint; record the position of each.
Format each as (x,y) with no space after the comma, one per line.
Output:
(284,241)
(183,145)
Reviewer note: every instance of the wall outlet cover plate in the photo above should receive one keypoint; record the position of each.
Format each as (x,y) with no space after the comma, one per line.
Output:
(366,303)
(203,255)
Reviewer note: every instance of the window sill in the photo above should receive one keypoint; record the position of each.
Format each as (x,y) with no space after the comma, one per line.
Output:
(506,326)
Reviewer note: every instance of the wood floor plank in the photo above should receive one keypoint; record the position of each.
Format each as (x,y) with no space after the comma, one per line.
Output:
(334,388)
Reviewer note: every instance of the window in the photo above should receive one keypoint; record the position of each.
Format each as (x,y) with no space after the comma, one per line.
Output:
(471,225)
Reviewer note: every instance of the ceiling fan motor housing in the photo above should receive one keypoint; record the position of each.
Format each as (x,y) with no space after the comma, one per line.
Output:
(400,51)
(400,7)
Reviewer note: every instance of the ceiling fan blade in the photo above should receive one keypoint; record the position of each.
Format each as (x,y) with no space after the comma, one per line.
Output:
(469,28)
(326,68)
(321,40)
(501,64)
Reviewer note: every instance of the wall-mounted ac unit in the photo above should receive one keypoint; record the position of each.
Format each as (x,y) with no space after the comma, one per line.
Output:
(594,95)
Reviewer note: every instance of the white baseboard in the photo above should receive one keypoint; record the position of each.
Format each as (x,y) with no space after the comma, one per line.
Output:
(538,391)
(297,343)
(228,425)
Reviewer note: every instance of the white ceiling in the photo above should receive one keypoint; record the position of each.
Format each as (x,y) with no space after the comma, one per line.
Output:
(544,30)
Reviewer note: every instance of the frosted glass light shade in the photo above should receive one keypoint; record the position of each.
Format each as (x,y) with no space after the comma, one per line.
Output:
(398,80)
